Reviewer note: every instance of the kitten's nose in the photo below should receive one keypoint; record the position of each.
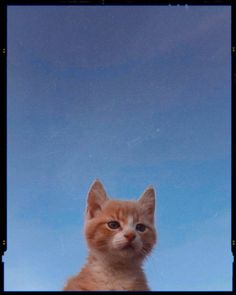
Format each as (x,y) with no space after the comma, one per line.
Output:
(130,236)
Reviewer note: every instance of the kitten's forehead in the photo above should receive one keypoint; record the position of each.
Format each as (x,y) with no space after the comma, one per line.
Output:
(121,209)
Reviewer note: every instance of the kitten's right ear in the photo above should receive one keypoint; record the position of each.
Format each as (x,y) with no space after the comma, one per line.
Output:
(96,197)
(147,203)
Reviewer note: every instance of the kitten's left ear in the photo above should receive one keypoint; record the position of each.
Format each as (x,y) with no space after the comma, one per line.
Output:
(96,197)
(147,202)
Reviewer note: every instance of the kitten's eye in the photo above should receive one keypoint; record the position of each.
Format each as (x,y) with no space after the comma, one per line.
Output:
(140,227)
(113,224)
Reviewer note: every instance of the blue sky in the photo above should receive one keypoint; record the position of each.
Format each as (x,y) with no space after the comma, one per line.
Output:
(132,95)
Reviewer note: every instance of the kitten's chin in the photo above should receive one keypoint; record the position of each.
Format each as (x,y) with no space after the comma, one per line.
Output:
(123,256)
(127,251)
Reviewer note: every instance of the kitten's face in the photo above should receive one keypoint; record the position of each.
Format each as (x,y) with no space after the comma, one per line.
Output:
(124,229)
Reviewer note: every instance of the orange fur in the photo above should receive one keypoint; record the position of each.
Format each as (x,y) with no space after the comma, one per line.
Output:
(116,254)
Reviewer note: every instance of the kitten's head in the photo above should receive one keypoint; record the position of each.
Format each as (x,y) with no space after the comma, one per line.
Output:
(122,229)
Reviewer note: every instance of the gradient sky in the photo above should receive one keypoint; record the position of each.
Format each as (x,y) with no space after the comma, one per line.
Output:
(133,96)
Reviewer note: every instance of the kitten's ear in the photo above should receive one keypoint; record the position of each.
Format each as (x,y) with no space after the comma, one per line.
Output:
(96,197)
(147,203)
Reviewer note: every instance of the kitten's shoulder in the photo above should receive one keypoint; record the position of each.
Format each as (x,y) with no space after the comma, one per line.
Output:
(83,281)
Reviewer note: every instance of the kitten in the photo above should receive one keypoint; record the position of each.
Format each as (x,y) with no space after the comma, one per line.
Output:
(119,234)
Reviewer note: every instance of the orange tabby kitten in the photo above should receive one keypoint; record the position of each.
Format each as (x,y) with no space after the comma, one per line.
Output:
(119,234)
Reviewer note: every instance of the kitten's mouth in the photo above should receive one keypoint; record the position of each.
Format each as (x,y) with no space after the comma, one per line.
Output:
(128,247)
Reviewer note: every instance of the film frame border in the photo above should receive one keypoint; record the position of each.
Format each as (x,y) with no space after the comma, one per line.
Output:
(3,101)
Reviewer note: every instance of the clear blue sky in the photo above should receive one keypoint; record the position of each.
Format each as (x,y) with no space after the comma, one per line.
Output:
(133,96)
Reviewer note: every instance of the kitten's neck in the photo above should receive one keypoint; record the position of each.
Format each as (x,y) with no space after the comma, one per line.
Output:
(103,272)
(114,262)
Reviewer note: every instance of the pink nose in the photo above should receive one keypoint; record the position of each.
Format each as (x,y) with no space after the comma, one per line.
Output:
(130,236)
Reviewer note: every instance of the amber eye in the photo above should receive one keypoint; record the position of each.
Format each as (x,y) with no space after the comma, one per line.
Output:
(113,224)
(140,227)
